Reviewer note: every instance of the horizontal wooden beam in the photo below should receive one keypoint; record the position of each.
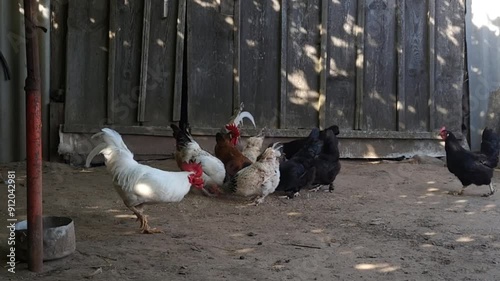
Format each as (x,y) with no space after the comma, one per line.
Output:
(282,133)
(152,147)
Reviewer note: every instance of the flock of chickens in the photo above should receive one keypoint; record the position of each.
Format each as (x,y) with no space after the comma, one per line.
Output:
(242,169)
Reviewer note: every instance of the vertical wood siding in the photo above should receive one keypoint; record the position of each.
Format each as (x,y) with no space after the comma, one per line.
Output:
(369,65)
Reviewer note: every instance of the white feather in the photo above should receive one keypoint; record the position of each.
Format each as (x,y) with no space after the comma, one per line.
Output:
(214,171)
(244,114)
(137,183)
(261,178)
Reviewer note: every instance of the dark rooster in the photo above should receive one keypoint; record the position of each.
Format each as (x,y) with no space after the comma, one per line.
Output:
(299,171)
(292,147)
(469,167)
(327,164)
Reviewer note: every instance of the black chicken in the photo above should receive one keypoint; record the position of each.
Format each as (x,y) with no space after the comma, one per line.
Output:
(469,167)
(299,171)
(327,164)
(292,147)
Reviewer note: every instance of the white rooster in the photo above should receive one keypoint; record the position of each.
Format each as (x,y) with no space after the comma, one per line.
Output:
(138,184)
(187,150)
(259,179)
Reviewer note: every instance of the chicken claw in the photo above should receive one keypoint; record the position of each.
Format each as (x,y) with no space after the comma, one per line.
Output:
(207,193)
(151,231)
(331,187)
(492,191)
(290,195)
(258,201)
(316,189)
(145,229)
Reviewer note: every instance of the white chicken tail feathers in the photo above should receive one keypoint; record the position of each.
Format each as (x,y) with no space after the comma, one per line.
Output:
(97,150)
(111,141)
(244,114)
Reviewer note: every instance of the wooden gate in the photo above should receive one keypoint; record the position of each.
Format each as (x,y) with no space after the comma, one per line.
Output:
(389,73)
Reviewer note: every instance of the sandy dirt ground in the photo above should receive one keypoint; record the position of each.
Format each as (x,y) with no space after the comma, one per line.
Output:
(384,221)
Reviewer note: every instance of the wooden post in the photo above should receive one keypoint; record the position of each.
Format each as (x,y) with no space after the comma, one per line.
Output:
(283,70)
(33,140)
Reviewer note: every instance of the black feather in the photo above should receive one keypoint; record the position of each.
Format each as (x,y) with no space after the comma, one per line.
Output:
(468,167)
(490,146)
(182,137)
(327,163)
(231,185)
(299,171)
(292,147)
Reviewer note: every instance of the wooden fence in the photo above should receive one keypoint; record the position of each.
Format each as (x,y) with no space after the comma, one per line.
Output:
(388,72)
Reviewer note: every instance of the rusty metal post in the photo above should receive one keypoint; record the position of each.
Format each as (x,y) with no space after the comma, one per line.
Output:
(33,140)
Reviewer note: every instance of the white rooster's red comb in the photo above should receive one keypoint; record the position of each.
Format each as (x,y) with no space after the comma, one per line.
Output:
(194,167)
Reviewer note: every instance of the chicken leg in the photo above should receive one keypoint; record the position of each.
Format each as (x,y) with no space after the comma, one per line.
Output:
(316,188)
(331,187)
(145,229)
(492,191)
(258,200)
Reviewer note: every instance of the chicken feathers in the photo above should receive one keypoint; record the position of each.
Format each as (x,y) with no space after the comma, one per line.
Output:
(299,171)
(139,184)
(327,164)
(259,179)
(253,146)
(469,167)
(187,150)
(232,158)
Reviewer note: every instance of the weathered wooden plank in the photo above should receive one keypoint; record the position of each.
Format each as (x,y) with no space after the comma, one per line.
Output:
(270,133)
(416,74)
(86,63)
(180,39)
(431,19)
(146,30)
(58,31)
(113,29)
(128,61)
(380,71)
(360,64)
(283,65)
(449,64)
(260,61)
(163,43)
(210,64)
(400,46)
(322,62)
(341,64)
(303,64)
(237,54)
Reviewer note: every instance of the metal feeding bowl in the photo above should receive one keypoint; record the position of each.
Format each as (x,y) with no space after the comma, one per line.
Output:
(58,238)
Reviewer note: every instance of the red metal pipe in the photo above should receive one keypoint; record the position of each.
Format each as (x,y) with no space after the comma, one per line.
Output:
(33,140)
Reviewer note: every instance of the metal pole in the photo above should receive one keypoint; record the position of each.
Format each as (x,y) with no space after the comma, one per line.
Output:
(33,140)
